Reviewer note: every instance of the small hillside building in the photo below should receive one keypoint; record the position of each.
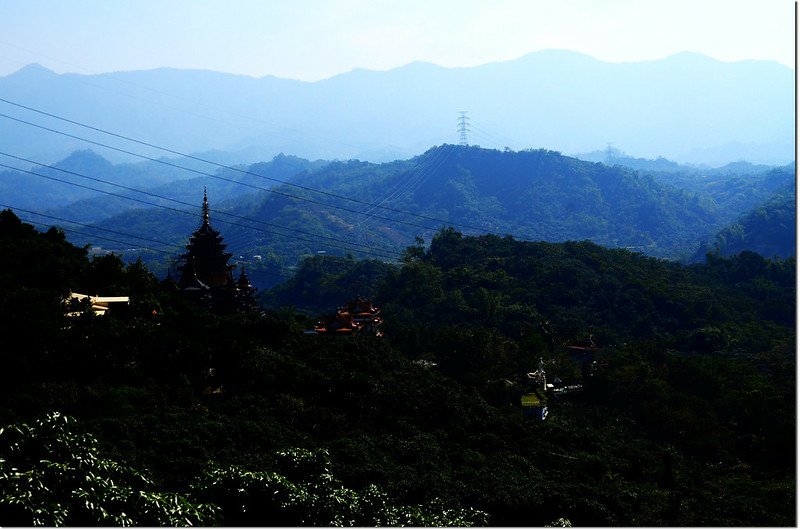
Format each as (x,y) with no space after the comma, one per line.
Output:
(100,305)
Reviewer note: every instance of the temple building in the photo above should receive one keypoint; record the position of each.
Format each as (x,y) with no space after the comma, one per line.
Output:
(357,316)
(365,315)
(205,274)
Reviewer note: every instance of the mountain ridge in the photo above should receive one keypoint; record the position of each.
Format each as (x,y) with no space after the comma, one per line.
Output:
(551,52)
(532,194)
(560,100)
(536,195)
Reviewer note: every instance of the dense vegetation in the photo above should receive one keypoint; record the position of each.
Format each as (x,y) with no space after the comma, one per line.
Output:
(769,229)
(686,419)
(728,190)
(653,206)
(732,190)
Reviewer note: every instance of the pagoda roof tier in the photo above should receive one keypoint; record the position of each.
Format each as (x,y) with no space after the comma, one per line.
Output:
(205,256)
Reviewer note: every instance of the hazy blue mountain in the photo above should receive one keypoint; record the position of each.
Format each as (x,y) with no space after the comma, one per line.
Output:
(49,187)
(66,181)
(222,184)
(743,167)
(611,156)
(729,190)
(73,188)
(686,107)
(615,157)
(741,189)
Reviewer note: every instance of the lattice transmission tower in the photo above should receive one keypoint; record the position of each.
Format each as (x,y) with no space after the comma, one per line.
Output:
(463,128)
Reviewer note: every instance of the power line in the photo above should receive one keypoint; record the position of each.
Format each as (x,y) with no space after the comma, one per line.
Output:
(418,175)
(218,177)
(495,138)
(231,168)
(124,243)
(399,187)
(354,248)
(415,182)
(123,234)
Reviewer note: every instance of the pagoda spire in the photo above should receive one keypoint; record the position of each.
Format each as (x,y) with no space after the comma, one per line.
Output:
(205,205)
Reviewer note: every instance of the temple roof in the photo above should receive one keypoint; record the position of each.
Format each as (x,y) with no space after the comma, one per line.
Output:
(339,323)
(357,315)
(361,307)
(244,281)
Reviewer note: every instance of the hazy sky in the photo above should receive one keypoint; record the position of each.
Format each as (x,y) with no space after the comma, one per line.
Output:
(314,39)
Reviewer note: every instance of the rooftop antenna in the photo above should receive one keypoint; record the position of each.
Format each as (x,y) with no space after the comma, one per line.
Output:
(463,128)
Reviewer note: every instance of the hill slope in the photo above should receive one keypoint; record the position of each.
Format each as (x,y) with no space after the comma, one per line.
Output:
(85,187)
(537,195)
(533,195)
(769,229)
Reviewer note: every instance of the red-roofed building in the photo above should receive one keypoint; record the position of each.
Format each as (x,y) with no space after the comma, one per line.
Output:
(357,316)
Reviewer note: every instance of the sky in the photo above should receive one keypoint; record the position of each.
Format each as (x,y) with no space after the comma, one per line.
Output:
(315,39)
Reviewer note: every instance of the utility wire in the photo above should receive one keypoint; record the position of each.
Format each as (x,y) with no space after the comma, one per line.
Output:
(403,178)
(355,248)
(384,255)
(123,234)
(211,175)
(199,159)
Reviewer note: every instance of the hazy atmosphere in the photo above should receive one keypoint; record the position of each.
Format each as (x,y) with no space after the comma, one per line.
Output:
(372,263)
(499,61)
(311,40)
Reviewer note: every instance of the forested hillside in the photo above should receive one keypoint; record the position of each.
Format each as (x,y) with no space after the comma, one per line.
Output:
(730,190)
(611,156)
(533,194)
(537,195)
(769,229)
(734,192)
(685,419)
(374,210)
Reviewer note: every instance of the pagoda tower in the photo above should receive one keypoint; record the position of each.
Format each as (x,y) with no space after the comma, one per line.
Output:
(205,259)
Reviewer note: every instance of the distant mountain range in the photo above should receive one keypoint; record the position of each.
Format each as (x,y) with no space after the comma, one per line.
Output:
(611,156)
(686,107)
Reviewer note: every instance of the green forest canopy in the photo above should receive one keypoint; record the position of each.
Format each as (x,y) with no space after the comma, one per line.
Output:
(689,420)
